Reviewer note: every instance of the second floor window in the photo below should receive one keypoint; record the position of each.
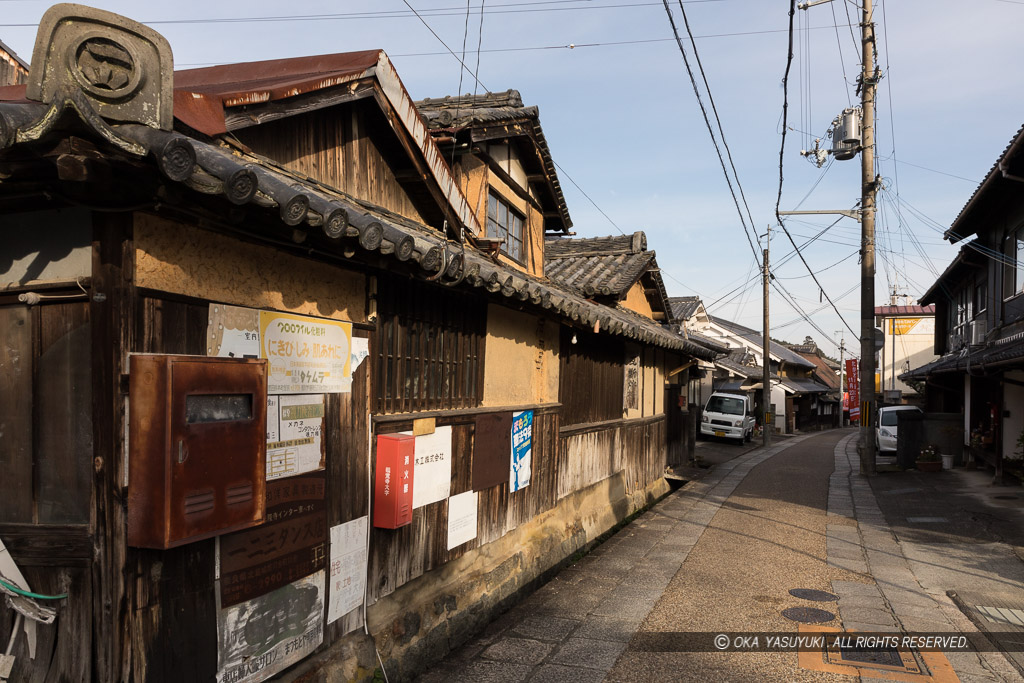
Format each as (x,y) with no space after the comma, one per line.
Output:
(1014,281)
(505,223)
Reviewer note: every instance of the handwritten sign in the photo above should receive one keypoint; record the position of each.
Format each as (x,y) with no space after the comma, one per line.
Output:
(348,568)
(306,355)
(461,518)
(521,464)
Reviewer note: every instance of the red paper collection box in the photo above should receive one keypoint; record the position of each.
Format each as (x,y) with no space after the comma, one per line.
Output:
(392,500)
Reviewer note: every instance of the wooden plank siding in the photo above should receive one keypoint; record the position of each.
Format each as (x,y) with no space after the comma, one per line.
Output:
(594,452)
(173,593)
(401,555)
(341,148)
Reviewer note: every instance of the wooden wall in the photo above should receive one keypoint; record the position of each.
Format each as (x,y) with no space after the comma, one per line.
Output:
(45,491)
(400,555)
(172,592)
(338,147)
(590,377)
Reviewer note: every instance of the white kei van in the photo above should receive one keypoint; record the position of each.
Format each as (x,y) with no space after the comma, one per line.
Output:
(728,415)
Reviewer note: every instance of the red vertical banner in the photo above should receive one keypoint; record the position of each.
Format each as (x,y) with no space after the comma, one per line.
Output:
(853,387)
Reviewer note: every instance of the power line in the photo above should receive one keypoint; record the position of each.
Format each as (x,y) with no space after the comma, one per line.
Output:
(424,22)
(707,122)
(398,14)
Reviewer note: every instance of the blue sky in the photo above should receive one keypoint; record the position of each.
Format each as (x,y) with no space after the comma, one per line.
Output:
(624,125)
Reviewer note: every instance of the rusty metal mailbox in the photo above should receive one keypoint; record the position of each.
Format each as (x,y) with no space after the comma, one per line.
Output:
(197,448)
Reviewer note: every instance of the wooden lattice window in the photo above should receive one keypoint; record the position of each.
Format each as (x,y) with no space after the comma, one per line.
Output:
(506,223)
(429,349)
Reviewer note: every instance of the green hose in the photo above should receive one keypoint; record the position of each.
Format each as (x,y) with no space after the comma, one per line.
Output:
(29,594)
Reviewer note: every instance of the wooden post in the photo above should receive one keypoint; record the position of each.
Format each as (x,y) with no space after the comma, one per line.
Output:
(111,314)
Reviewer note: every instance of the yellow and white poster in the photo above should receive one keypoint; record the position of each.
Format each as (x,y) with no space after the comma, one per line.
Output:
(306,355)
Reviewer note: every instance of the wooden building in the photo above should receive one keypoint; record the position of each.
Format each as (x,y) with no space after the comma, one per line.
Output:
(979,322)
(13,71)
(191,258)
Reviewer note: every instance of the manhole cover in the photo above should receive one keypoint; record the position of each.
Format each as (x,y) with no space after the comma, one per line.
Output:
(807,615)
(811,594)
(1006,497)
(867,655)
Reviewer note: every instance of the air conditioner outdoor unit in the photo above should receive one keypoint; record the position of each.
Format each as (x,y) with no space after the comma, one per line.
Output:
(978,331)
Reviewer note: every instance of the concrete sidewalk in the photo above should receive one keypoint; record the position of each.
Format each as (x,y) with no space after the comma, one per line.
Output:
(722,553)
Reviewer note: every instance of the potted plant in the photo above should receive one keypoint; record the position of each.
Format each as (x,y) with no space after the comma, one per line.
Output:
(929,460)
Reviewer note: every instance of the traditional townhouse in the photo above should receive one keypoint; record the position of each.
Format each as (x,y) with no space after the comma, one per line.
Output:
(13,71)
(280,391)
(979,320)
(826,407)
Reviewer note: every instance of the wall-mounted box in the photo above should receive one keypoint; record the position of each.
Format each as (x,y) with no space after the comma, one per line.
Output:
(392,500)
(197,447)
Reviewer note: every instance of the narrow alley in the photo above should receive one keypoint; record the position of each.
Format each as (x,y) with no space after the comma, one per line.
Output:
(721,555)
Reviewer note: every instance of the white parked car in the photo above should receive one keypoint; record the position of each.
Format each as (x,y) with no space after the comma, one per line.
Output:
(728,415)
(885,431)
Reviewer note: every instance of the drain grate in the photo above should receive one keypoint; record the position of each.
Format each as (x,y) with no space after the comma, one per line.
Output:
(807,615)
(815,595)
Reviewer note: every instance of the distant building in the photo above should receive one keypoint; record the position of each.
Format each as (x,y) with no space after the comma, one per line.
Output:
(13,71)
(909,342)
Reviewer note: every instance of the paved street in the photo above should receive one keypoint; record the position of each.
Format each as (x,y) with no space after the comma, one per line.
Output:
(906,552)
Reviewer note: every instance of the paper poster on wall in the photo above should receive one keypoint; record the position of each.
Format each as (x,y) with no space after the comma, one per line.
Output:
(294,426)
(360,350)
(522,451)
(291,544)
(233,332)
(306,355)
(432,471)
(461,518)
(261,637)
(348,568)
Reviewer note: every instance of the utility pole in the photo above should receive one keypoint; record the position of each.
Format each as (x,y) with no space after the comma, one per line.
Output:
(767,422)
(842,374)
(868,81)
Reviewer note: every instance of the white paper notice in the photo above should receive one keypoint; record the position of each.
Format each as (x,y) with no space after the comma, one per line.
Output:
(294,424)
(461,518)
(233,332)
(432,476)
(348,568)
(360,350)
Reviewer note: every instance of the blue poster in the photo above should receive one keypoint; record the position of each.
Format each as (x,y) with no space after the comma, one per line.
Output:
(522,450)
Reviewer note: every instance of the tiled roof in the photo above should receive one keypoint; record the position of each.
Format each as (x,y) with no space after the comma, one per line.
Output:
(957,231)
(451,114)
(823,371)
(683,307)
(992,358)
(598,266)
(754,337)
(349,225)
(798,385)
(704,340)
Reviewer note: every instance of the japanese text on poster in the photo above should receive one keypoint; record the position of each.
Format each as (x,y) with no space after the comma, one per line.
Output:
(522,451)
(432,471)
(233,332)
(853,385)
(348,568)
(294,425)
(306,355)
(261,637)
(292,543)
